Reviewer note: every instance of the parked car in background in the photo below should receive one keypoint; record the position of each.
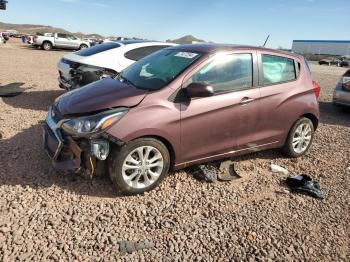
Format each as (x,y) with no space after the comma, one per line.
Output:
(60,40)
(5,36)
(30,39)
(2,40)
(181,106)
(101,61)
(341,95)
(342,61)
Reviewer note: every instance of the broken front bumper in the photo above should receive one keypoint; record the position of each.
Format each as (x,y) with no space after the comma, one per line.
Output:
(74,153)
(64,84)
(54,145)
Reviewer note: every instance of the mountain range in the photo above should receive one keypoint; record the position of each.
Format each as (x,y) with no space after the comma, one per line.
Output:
(33,29)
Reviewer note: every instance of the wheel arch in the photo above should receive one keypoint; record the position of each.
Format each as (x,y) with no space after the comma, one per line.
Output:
(83,44)
(313,119)
(167,144)
(47,41)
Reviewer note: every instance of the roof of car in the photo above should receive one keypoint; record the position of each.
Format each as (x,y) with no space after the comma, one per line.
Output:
(213,48)
(128,42)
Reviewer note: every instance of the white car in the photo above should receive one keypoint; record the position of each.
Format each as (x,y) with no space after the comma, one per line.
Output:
(101,61)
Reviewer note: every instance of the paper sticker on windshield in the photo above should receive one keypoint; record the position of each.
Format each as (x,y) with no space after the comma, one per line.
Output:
(188,55)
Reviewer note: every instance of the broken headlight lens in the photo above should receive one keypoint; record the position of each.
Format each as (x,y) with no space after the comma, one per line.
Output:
(90,125)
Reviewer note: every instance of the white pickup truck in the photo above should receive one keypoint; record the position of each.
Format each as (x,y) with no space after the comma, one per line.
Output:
(59,40)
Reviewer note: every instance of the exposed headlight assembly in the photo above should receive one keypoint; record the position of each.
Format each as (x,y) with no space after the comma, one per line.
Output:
(91,125)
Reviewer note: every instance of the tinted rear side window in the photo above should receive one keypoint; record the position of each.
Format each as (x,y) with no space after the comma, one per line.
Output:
(97,49)
(277,69)
(139,53)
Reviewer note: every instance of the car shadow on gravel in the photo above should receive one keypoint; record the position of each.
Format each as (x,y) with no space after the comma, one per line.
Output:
(33,100)
(24,163)
(332,115)
(29,47)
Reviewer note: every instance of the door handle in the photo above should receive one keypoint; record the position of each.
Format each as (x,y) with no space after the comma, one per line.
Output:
(246,100)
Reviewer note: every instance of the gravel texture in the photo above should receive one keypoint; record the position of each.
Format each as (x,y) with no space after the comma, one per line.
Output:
(49,216)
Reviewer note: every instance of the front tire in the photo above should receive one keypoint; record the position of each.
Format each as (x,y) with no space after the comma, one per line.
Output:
(83,46)
(300,138)
(139,166)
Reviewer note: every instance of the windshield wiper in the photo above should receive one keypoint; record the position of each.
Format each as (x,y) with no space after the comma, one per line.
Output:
(125,80)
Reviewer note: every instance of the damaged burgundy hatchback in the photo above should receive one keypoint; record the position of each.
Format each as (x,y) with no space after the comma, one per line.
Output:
(181,106)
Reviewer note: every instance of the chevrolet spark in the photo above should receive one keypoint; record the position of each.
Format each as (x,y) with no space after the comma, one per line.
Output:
(182,106)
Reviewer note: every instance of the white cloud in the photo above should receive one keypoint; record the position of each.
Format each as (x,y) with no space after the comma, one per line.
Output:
(99,4)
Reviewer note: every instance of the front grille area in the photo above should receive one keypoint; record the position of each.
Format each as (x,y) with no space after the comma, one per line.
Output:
(56,114)
(50,141)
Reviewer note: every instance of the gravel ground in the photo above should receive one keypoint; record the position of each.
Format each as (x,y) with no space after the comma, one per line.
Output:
(50,216)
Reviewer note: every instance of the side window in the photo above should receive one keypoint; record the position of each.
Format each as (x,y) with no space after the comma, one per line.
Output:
(277,69)
(227,73)
(71,37)
(139,53)
(61,35)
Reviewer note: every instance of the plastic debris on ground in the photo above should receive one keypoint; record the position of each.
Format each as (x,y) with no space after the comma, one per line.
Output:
(130,246)
(207,173)
(304,184)
(278,169)
(212,173)
(227,171)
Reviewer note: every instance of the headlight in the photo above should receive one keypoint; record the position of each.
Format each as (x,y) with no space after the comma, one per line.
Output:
(90,125)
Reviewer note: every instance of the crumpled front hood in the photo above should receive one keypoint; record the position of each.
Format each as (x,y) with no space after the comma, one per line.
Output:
(104,94)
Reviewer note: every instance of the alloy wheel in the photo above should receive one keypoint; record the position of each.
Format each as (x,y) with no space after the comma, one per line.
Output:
(302,138)
(142,167)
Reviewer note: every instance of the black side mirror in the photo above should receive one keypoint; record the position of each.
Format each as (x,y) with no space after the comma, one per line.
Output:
(199,90)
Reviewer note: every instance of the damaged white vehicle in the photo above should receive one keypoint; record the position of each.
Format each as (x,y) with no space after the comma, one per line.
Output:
(102,61)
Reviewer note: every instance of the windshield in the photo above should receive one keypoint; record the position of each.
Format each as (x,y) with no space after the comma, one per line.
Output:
(158,69)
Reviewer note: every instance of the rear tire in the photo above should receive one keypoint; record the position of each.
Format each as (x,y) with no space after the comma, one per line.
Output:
(47,46)
(300,138)
(134,174)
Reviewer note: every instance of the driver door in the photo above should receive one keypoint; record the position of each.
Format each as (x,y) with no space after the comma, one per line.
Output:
(217,125)
(73,42)
(61,40)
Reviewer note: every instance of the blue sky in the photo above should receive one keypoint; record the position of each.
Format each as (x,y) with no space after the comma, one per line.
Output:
(223,21)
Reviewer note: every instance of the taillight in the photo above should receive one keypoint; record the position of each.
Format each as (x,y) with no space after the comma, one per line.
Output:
(345,81)
(317,88)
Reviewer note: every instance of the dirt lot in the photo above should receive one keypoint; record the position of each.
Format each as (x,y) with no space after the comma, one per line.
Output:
(50,216)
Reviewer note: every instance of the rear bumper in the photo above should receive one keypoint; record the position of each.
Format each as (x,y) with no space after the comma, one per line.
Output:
(341,97)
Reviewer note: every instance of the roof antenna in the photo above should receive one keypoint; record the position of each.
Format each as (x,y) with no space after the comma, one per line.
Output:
(267,38)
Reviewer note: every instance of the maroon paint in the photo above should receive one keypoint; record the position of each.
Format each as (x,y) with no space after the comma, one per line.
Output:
(204,129)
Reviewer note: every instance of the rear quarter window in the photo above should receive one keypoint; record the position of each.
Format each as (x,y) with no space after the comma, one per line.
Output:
(277,69)
(139,53)
(97,49)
